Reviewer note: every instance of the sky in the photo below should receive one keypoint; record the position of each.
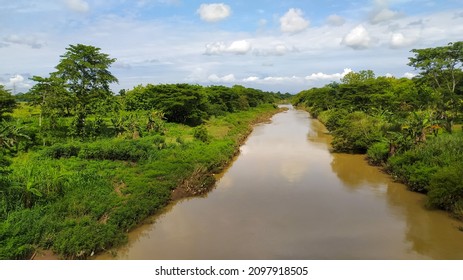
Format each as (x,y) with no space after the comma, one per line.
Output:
(285,46)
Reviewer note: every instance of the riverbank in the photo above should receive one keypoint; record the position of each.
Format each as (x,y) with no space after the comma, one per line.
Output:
(432,167)
(100,199)
(202,179)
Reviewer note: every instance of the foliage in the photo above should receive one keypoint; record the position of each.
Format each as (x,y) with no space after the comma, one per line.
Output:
(360,77)
(378,153)
(80,86)
(51,94)
(201,134)
(356,133)
(446,189)
(194,104)
(417,166)
(79,198)
(181,103)
(441,68)
(79,167)
(403,124)
(84,71)
(7,102)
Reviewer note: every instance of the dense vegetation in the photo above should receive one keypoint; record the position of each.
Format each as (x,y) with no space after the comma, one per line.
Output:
(408,126)
(80,166)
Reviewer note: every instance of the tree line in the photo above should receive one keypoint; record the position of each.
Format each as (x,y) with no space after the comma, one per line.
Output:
(412,127)
(76,101)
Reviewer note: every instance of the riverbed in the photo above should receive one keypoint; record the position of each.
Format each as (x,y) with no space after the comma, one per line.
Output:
(286,196)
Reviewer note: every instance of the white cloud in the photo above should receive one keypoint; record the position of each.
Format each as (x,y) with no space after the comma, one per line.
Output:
(409,75)
(280,49)
(398,40)
(236,47)
(30,41)
(323,76)
(384,14)
(214,12)
(335,20)
(282,79)
(17,83)
(358,38)
(273,79)
(251,79)
(293,21)
(225,79)
(16,79)
(80,6)
(239,47)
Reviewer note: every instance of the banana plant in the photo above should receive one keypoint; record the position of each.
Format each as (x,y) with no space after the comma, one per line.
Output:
(28,185)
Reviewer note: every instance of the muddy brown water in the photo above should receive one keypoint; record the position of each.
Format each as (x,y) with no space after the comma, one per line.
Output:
(287,197)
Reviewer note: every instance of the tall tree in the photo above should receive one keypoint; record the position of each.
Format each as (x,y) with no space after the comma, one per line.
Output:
(441,68)
(85,73)
(52,96)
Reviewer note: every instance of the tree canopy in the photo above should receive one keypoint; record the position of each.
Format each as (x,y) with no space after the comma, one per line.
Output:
(441,69)
(84,70)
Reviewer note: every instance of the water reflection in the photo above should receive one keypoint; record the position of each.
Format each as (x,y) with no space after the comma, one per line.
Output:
(431,234)
(287,197)
(354,171)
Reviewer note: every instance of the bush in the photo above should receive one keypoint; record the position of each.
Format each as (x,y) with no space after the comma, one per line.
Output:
(377,153)
(446,188)
(323,117)
(116,150)
(356,133)
(62,150)
(335,119)
(200,133)
(417,166)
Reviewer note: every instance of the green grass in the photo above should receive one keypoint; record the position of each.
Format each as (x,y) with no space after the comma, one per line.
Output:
(80,198)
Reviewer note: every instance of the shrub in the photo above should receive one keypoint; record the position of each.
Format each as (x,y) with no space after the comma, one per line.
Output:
(378,152)
(446,188)
(62,150)
(335,119)
(323,117)
(116,150)
(417,166)
(356,133)
(201,134)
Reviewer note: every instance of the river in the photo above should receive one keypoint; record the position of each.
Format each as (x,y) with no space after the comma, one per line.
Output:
(287,197)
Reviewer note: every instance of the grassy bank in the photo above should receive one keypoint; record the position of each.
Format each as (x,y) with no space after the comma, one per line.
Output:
(433,167)
(80,198)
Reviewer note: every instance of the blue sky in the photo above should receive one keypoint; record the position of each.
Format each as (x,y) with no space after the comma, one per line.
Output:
(283,46)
